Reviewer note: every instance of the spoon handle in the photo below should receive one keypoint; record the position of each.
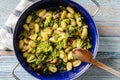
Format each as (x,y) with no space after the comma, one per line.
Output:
(105,67)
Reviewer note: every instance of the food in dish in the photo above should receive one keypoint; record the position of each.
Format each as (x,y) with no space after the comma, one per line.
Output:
(48,38)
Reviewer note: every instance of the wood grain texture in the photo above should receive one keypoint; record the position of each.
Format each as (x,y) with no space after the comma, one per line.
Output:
(109,44)
(6,52)
(109,29)
(6,7)
(8,62)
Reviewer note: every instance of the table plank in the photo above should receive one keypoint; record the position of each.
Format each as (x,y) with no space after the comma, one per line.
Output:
(6,7)
(109,44)
(8,62)
(108,29)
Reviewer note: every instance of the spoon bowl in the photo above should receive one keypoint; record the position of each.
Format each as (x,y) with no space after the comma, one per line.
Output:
(83,55)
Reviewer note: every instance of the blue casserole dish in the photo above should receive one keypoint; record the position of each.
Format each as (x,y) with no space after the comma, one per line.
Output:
(64,75)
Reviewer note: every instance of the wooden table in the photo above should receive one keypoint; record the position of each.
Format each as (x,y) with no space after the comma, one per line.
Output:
(108,23)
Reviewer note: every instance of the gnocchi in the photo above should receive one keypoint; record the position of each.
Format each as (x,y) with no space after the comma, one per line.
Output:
(48,38)
(25,26)
(21,44)
(69,66)
(52,69)
(29,18)
(64,25)
(36,28)
(64,14)
(84,32)
(76,63)
(70,9)
(42,13)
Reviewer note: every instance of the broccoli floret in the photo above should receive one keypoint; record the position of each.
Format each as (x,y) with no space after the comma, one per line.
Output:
(47,21)
(67,21)
(60,40)
(31,58)
(61,44)
(89,45)
(77,43)
(71,30)
(58,36)
(41,58)
(44,47)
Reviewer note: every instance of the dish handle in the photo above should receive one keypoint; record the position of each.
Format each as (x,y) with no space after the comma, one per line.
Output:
(13,71)
(98,7)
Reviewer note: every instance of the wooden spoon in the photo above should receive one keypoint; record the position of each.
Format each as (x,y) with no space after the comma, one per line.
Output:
(86,56)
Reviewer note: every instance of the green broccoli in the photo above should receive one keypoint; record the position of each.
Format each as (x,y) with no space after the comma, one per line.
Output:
(89,45)
(60,40)
(61,44)
(71,30)
(58,36)
(47,21)
(31,58)
(44,46)
(41,58)
(67,21)
(77,43)
(23,34)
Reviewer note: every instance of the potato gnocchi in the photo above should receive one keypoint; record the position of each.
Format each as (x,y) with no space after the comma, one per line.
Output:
(48,38)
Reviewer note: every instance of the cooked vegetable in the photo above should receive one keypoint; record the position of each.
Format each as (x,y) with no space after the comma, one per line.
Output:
(50,36)
(43,46)
(31,58)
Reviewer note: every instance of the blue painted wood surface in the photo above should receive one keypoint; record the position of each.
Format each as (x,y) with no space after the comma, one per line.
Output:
(108,23)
